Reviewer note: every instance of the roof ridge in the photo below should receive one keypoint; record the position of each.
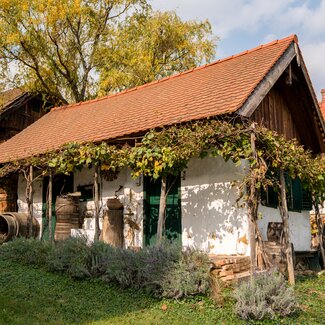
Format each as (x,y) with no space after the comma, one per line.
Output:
(292,37)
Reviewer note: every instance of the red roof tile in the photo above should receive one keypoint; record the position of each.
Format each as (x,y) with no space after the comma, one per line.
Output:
(217,88)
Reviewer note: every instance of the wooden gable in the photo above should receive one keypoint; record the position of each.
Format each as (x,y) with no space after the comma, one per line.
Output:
(24,110)
(289,108)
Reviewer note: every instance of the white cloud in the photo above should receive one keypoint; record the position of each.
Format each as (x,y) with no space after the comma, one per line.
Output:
(264,21)
(226,16)
(314,55)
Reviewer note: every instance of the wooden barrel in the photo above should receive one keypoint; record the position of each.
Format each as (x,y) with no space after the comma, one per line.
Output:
(8,196)
(22,221)
(7,228)
(14,224)
(67,216)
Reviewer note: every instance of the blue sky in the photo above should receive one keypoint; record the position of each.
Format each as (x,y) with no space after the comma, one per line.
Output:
(244,24)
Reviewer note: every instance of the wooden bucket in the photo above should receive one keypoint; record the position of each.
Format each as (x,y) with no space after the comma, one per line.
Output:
(14,224)
(67,216)
(114,204)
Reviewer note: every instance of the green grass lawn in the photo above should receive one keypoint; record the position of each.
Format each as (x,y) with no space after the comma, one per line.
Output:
(33,296)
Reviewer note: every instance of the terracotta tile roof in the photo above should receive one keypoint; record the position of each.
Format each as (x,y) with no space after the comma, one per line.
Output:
(217,88)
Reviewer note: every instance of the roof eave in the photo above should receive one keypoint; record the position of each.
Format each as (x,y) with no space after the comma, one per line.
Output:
(258,94)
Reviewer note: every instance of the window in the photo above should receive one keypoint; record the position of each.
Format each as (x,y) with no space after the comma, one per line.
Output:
(298,199)
(86,192)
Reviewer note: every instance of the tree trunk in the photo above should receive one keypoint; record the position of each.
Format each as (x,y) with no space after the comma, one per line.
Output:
(319,230)
(29,200)
(50,194)
(96,201)
(286,233)
(162,209)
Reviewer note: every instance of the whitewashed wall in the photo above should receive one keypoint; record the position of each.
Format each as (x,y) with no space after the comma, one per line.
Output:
(211,219)
(299,226)
(131,196)
(38,192)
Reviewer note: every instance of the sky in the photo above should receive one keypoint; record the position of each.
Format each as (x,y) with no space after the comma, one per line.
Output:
(245,24)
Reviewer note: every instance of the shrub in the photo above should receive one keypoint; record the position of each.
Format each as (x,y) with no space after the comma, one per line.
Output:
(70,256)
(153,263)
(101,255)
(189,276)
(266,295)
(161,270)
(26,251)
(121,267)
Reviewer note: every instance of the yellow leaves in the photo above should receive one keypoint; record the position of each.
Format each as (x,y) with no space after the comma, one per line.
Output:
(105,167)
(12,38)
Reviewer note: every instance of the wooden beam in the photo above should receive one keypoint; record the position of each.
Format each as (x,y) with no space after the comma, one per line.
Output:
(49,202)
(286,231)
(267,83)
(96,201)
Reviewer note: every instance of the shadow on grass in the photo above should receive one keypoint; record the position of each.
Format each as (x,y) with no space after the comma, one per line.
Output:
(33,296)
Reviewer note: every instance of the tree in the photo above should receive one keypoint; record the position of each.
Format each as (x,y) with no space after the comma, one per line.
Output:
(153,46)
(63,48)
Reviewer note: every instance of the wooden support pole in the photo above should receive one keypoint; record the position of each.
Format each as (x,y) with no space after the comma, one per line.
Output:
(29,199)
(286,233)
(162,209)
(319,230)
(50,196)
(96,201)
(252,207)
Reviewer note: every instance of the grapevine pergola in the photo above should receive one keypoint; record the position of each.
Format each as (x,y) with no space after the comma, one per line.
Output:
(168,150)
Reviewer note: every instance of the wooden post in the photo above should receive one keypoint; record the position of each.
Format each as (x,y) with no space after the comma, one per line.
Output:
(29,199)
(286,233)
(162,209)
(252,207)
(96,201)
(319,229)
(50,194)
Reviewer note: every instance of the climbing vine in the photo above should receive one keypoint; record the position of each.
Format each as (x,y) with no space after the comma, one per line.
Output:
(168,151)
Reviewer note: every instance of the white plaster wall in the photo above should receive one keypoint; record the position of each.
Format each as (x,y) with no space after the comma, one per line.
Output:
(131,196)
(299,226)
(21,202)
(211,219)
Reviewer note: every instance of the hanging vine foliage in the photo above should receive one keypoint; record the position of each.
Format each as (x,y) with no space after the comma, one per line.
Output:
(167,151)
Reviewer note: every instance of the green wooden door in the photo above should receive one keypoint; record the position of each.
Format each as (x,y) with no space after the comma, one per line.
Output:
(62,184)
(173,226)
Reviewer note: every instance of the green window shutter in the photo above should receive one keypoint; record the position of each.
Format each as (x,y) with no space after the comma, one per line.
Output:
(272,197)
(269,197)
(297,194)
(306,200)
(289,191)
